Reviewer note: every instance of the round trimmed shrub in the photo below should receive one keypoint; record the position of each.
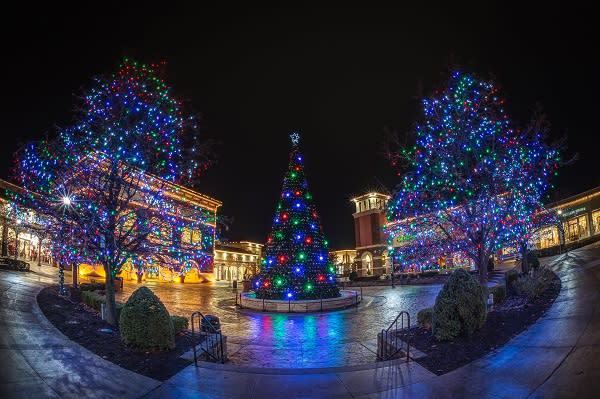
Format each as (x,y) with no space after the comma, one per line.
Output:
(425,318)
(459,308)
(145,323)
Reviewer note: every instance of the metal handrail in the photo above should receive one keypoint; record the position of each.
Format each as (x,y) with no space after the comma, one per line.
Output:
(392,332)
(214,336)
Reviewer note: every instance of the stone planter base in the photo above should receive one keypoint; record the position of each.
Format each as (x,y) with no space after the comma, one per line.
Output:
(347,299)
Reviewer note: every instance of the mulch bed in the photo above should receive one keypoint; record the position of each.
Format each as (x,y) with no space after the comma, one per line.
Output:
(82,325)
(502,324)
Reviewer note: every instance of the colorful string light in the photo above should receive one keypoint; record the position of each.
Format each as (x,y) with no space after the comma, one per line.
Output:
(119,166)
(473,183)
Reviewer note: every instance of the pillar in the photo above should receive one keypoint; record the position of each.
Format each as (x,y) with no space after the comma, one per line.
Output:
(5,238)
(16,243)
(75,272)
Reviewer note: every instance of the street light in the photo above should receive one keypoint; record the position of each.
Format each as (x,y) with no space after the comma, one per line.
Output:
(561,230)
(390,249)
(66,201)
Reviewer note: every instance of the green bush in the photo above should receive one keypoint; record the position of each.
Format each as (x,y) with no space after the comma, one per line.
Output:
(92,299)
(91,286)
(511,276)
(95,301)
(353,276)
(532,286)
(499,292)
(425,318)
(13,264)
(532,260)
(459,308)
(145,323)
(180,324)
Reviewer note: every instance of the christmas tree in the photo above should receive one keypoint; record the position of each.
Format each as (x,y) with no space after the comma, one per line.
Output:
(296,263)
(472,183)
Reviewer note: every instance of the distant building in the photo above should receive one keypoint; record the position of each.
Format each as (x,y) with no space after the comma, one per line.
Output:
(371,243)
(235,261)
(343,261)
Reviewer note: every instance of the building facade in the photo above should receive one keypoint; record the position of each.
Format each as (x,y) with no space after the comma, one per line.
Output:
(579,223)
(236,261)
(344,261)
(25,236)
(371,243)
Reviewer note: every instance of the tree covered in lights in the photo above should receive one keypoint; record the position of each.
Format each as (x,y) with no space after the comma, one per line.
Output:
(470,182)
(296,263)
(110,180)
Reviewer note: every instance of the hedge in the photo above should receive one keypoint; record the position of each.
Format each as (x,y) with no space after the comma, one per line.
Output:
(13,264)
(95,301)
(91,286)
(180,324)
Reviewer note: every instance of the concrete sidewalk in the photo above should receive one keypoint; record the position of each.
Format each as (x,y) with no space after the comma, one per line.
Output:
(559,356)
(38,361)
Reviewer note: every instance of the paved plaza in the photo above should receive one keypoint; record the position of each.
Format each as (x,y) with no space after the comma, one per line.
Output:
(559,356)
(328,339)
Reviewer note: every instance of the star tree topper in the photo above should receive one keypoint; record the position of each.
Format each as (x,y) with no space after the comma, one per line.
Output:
(295,137)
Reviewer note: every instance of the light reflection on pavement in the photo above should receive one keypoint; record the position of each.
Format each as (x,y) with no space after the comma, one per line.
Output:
(328,339)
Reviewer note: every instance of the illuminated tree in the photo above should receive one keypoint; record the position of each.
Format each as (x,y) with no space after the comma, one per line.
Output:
(108,181)
(472,183)
(296,264)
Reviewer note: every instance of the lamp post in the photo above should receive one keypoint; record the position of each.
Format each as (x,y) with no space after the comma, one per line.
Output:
(391,256)
(561,230)
(66,202)
(17,232)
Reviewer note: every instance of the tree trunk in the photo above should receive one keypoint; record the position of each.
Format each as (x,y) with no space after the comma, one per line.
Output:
(110,304)
(139,277)
(483,274)
(524,260)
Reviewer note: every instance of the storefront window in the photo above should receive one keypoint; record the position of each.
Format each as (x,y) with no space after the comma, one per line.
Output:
(576,228)
(546,238)
(596,221)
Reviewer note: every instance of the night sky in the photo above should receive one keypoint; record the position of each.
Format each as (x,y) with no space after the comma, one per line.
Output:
(338,76)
